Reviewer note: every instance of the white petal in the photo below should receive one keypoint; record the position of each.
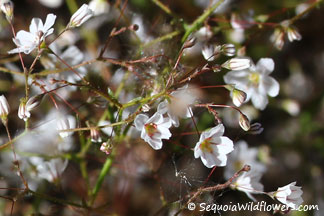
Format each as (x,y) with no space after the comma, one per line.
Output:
(163,107)
(140,121)
(157,118)
(226,145)
(156,144)
(270,86)
(50,20)
(165,133)
(35,26)
(265,66)
(259,101)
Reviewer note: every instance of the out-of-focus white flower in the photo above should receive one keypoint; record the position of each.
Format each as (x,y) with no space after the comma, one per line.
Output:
(242,155)
(238,63)
(50,170)
(65,123)
(210,52)
(153,129)
(203,34)
(179,104)
(28,41)
(213,147)
(80,16)
(249,182)
(289,195)
(255,82)
(51,3)
(4,107)
(7,8)
(99,7)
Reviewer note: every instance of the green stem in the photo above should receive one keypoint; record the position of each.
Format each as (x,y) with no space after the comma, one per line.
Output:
(311,7)
(105,169)
(200,20)
(162,38)
(163,7)
(72,5)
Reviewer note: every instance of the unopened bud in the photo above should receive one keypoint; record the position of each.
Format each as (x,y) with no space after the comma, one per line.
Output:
(23,113)
(256,128)
(63,124)
(34,102)
(4,108)
(7,8)
(278,38)
(95,135)
(80,16)
(228,49)
(146,108)
(106,147)
(293,34)
(239,63)
(244,122)
(190,43)
(238,97)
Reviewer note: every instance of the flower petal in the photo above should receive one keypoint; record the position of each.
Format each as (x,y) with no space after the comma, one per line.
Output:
(140,121)
(269,86)
(265,66)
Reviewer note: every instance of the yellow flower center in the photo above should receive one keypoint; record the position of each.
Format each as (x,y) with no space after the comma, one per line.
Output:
(205,146)
(254,78)
(150,129)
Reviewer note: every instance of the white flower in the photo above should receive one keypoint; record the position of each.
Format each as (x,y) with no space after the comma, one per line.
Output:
(242,155)
(210,52)
(289,195)
(153,129)
(51,3)
(4,107)
(106,147)
(255,82)
(179,105)
(238,63)
(213,147)
(228,49)
(249,182)
(80,16)
(28,41)
(99,6)
(65,123)
(50,170)
(277,38)
(25,108)
(293,34)
(23,113)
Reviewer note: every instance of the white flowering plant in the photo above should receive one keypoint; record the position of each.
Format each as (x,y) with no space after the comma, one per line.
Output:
(102,101)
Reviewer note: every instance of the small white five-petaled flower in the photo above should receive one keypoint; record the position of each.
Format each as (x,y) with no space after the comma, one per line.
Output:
(289,195)
(28,41)
(213,147)
(153,129)
(255,82)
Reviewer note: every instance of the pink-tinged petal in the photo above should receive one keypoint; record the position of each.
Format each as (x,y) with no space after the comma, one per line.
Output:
(140,121)
(50,20)
(265,66)
(155,144)
(36,26)
(259,101)
(270,86)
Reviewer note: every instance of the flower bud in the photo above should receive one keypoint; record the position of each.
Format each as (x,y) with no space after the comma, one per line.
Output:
(95,135)
(277,38)
(228,49)
(210,52)
(293,34)
(7,8)
(238,97)
(23,113)
(239,63)
(106,147)
(256,128)
(4,108)
(244,122)
(80,16)
(34,102)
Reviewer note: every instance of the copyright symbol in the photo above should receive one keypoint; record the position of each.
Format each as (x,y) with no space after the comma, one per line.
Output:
(191,206)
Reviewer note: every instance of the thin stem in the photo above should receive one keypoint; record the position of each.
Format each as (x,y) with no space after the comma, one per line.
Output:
(200,20)
(105,169)
(311,7)
(163,7)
